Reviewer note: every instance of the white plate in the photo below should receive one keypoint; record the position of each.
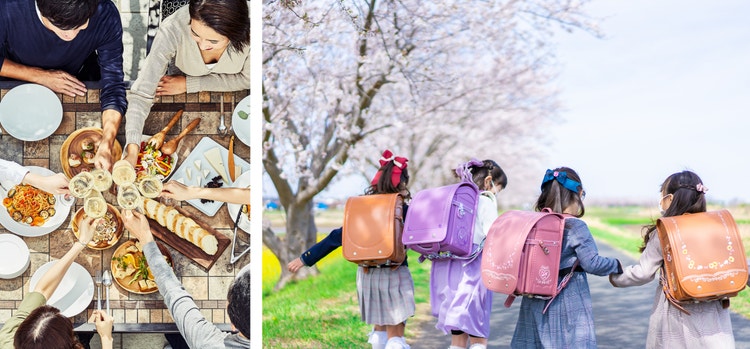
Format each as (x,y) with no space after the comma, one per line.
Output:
(242,127)
(61,206)
(14,256)
(145,138)
(198,180)
(30,112)
(75,292)
(243,181)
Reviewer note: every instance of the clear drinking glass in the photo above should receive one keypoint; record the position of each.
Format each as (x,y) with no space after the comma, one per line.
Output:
(123,172)
(128,196)
(81,184)
(150,186)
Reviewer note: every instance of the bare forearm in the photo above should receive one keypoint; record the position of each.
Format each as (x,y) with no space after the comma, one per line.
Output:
(18,71)
(51,279)
(230,195)
(110,123)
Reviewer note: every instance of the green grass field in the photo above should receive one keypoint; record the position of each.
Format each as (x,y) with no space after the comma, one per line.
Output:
(322,312)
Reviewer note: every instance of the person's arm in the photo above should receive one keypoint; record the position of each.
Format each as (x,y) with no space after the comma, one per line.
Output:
(51,279)
(103,323)
(112,98)
(318,251)
(178,191)
(56,80)
(194,327)
(588,256)
(221,82)
(11,171)
(141,96)
(648,265)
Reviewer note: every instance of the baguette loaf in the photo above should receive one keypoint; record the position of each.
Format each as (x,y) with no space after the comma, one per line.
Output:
(185,227)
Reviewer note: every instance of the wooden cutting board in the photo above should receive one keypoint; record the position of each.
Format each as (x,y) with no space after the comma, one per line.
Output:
(194,253)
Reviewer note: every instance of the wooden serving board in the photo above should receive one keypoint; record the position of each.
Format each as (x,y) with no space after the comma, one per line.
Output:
(203,259)
(74,142)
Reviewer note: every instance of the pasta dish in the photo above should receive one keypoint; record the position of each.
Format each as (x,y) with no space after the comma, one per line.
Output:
(27,204)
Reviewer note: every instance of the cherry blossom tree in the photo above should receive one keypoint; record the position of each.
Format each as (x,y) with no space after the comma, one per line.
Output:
(437,81)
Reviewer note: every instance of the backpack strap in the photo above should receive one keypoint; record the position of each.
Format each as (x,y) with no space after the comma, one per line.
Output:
(665,288)
(562,285)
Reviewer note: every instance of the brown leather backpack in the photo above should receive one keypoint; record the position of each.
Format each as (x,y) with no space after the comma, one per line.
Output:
(704,259)
(372,230)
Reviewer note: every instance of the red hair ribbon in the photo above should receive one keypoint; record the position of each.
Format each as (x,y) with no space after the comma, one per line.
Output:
(399,163)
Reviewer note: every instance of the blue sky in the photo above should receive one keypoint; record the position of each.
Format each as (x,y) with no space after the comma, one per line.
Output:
(667,89)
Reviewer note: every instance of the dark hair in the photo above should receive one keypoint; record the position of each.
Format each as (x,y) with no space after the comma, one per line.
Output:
(685,199)
(46,328)
(230,18)
(488,168)
(556,197)
(385,185)
(67,14)
(238,308)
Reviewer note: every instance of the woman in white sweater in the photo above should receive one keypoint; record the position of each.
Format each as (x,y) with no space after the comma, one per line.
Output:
(209,42)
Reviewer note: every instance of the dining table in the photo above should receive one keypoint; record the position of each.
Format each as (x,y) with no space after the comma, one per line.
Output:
(133,312)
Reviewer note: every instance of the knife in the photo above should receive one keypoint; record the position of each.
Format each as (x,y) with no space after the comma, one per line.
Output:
(230,161)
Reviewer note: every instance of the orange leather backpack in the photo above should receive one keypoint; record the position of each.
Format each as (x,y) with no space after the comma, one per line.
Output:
(704,259)
(372,230)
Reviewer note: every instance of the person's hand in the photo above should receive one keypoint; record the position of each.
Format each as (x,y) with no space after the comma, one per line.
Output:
(103,323)
(137,225)
(177,191)
(103,158)
(132,153)
(171,85)
(86,229)
(61,82)
(54,184)
(295,264)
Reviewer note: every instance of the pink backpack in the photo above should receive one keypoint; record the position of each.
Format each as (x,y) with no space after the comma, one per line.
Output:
(440,221)
(522,255)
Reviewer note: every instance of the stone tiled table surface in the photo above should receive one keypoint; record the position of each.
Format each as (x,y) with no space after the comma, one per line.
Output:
(209,289)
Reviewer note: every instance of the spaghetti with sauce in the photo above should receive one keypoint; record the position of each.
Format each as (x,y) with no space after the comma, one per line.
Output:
(27,204)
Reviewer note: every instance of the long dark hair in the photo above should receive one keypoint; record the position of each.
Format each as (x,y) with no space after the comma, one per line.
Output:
(46,328)
(230,18)
(557,197)
(687,197)
(385,184)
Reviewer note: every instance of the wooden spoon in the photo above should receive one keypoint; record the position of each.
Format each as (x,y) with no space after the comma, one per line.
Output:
(157,140)
(171,146)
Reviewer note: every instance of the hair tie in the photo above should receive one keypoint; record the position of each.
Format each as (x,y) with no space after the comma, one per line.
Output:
(463,171)
(701,188)
(399,164)
(562,178)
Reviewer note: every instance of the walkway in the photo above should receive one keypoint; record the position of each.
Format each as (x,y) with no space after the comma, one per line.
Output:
(621,316)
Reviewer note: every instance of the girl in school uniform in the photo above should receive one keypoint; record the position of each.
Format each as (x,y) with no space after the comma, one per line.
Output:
(459,299)
(569,320)
(386,295)
(709,324)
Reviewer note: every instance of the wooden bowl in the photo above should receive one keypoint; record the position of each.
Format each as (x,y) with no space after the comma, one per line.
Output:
(72,145)
(125,282)
(100,245)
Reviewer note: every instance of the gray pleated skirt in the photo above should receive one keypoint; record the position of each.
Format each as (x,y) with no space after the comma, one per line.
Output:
(386,297)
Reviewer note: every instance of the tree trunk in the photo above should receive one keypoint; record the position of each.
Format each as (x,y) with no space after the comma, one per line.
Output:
(301,234)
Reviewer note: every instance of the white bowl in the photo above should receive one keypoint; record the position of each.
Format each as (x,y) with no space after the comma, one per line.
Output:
(14,256)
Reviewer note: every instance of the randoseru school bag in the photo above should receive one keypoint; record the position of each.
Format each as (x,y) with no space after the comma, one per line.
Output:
(522,255)
(440,222)
(704,259)
(371,235)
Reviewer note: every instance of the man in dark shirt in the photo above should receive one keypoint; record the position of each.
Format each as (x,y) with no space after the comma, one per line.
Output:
(55,43)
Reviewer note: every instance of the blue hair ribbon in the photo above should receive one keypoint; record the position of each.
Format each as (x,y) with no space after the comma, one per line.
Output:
(562,178)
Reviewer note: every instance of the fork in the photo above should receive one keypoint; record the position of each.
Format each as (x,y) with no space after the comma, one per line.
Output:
(98,282)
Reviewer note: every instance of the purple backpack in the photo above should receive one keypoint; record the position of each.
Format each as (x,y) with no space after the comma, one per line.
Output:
(440,221)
